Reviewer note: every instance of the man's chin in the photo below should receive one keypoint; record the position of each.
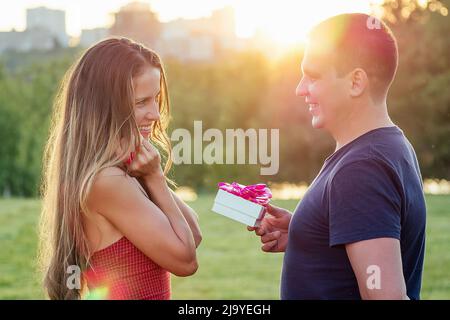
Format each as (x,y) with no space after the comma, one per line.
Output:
(316,123)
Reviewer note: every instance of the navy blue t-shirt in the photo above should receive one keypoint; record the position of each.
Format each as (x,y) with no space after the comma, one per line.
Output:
(370,188)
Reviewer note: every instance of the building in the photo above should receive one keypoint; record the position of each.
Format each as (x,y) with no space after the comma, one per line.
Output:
(194,47)
(51,20)
(199,39)
(34,39)
(138,22)
(91,36)
(185,39)
(45,30)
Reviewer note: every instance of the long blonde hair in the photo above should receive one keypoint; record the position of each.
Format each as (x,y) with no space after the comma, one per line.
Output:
(93,110)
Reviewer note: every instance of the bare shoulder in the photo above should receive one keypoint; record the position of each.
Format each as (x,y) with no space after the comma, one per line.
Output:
(99,230)
(111,172)
(110,185)
(109,180)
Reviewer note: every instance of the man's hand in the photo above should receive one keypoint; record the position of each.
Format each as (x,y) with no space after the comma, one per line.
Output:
(274,229)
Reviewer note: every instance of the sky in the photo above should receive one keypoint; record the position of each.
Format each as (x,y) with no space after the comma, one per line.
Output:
(284,20)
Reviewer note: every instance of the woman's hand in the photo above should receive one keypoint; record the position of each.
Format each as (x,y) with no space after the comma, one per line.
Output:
(145,163)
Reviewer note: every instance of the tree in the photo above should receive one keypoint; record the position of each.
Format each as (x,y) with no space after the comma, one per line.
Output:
(419,99)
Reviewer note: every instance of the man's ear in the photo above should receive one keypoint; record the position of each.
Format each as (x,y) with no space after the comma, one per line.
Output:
(358,82)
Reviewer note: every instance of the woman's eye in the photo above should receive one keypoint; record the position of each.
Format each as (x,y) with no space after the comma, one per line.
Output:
(140,104)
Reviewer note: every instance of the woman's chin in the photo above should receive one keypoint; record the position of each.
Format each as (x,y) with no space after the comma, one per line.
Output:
(145,134)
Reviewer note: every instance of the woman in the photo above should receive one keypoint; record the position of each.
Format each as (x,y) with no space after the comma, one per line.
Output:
(107,208)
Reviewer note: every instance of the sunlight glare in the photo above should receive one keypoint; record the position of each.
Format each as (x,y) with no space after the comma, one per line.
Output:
(288,22)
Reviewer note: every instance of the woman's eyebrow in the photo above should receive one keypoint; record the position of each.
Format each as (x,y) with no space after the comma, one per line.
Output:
(147,97)
(142,99)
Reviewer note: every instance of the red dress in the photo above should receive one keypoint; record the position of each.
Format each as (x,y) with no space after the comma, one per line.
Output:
(121,271)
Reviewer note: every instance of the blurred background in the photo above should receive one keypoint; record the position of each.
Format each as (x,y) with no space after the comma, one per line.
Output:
(231,64)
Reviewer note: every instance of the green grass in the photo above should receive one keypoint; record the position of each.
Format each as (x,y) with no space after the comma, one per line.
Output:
(232,266)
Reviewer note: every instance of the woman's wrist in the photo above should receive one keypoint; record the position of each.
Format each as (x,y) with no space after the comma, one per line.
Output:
(155,177)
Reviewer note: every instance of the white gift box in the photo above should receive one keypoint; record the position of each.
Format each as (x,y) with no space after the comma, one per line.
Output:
(237,208)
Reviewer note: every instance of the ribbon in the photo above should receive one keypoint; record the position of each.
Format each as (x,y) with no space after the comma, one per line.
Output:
(257,193)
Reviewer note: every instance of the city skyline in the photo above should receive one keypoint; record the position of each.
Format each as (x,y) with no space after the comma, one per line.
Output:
(285,22)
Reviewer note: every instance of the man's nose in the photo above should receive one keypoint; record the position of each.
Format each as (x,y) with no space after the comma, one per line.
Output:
(302,89)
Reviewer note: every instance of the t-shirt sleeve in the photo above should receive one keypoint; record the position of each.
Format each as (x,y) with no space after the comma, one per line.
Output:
(364,203)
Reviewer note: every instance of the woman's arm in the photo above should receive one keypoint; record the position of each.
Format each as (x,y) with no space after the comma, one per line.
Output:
(158,228)
(189,214)
(191,217)
(167,201)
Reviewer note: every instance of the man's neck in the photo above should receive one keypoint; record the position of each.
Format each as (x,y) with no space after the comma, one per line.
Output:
(366,118)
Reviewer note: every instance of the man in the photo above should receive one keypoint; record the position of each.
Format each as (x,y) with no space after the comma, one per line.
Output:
(359,231)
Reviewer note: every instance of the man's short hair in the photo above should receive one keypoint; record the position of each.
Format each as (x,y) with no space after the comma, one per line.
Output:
(358,40)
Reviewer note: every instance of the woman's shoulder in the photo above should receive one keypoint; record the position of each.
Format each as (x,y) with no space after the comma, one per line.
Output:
(112,175)
(109,185)
(103,194)
(111,172)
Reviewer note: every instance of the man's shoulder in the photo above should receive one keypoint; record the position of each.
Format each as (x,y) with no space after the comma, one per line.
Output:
(384,150)
(367,163)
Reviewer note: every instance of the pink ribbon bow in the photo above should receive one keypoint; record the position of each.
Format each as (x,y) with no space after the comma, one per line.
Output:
(257,193)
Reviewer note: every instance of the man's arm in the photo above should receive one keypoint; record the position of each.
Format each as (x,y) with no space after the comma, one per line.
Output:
(377,264)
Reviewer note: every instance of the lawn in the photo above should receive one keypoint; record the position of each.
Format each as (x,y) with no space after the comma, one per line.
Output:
(232,266)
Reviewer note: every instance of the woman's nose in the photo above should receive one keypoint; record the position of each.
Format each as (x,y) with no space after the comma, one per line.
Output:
(153,112)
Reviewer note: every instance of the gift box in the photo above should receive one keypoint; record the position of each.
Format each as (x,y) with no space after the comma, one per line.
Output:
(241,203)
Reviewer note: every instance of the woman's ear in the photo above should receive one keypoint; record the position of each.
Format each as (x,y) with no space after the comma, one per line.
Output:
(358,82)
